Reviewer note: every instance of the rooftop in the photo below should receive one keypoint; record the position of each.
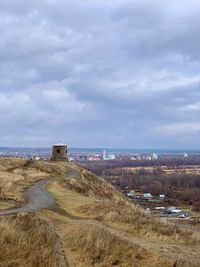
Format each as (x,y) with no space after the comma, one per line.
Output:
(59,144)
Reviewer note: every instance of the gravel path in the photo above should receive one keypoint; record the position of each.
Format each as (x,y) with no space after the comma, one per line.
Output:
(37,197)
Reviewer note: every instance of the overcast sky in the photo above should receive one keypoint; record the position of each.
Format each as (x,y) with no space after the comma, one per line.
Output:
(91,73)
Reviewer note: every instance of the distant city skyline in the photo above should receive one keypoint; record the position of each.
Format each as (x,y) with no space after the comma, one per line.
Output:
(101,150)
(116,73)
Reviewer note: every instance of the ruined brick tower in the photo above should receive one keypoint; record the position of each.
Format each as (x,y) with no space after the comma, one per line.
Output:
(59,152)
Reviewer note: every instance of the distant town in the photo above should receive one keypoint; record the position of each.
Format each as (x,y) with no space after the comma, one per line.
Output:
(80,155)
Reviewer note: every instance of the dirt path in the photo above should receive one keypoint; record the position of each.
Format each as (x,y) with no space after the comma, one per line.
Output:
(177,252)
(37,197)
(180,254)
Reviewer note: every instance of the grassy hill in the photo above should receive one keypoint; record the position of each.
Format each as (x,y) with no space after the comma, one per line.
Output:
(90,224)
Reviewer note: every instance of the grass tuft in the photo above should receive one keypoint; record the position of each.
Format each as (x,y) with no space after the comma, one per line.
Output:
(27,240)
(101,248)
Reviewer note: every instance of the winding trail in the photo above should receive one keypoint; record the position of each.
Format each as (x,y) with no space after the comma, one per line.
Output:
(37,197)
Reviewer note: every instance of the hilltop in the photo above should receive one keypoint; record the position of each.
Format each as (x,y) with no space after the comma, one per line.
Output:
(90,223)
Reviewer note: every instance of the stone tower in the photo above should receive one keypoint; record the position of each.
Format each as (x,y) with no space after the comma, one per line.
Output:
(59,152)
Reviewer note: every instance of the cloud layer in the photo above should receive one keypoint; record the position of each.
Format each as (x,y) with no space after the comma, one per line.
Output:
(100,73)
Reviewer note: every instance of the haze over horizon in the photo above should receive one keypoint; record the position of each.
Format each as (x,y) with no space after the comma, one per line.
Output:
(100,74)
(107,149)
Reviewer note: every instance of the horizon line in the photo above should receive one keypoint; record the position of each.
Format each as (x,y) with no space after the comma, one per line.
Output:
(115,148)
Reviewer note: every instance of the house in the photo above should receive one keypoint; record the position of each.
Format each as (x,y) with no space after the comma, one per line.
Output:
(173,210)
(161,196)
(159,208)
(147,195)
(130,194)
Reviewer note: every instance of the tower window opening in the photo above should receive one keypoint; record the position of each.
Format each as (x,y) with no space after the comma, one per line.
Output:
(58,150)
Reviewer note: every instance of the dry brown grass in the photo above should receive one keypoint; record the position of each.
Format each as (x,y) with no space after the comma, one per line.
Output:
(101,248)
(27,240)
(8,164)
(93,198)
(32,167)
(16,174)
(190,169)
(53,169)
(129,217)
(112,208)
(88,184)
(114,232)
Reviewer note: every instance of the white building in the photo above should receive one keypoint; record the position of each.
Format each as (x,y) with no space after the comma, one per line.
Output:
(147,195)
(173,210)
(108,156)
(162,196)
(154,156)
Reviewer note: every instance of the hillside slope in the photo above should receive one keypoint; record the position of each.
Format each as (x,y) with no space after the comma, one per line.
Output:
(91,223)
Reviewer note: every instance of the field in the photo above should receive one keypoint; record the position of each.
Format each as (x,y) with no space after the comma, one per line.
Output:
(90,224)
(189,169)
(179,183)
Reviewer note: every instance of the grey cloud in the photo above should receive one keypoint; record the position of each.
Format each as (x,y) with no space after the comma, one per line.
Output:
(81,72)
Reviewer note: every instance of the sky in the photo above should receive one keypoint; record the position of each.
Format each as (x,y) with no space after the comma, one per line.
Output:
(91,73)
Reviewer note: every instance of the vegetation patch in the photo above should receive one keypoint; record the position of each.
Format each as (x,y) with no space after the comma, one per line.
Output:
(89,184)
(136,221)
(27,240)
(101,248)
